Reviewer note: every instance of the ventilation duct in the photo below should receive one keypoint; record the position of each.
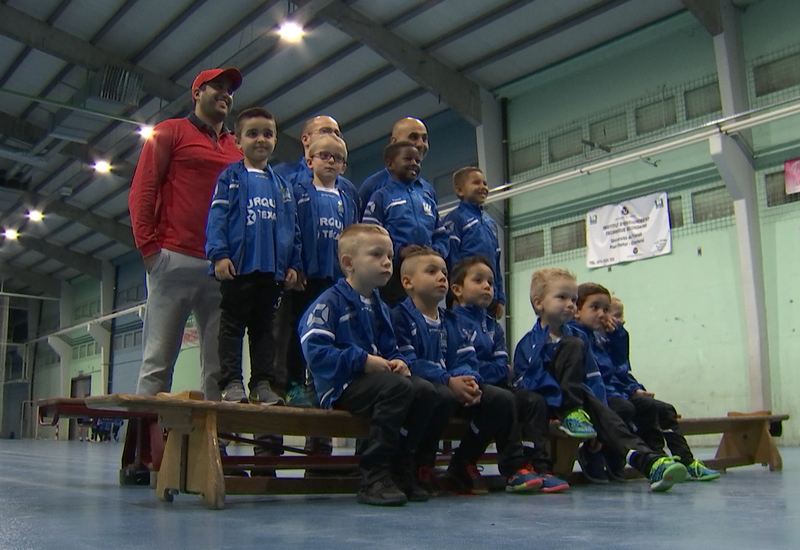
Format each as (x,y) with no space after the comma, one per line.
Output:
(116,86)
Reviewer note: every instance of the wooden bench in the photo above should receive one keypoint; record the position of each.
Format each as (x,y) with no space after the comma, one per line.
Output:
(192,463)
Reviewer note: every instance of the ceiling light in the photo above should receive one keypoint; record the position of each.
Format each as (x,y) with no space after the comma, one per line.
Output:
(102,166)
(291,31)
(35,216)
(146,131)
(10,234)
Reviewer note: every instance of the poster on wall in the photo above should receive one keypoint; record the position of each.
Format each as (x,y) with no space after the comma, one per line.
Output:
(791,175)
(632,230)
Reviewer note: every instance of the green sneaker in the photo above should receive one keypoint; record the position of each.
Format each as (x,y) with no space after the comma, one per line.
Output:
(665,473)
(578,424)
(700,472)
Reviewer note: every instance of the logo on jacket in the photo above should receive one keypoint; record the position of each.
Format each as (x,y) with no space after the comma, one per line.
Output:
(427,209)
(319,316)
(251,217)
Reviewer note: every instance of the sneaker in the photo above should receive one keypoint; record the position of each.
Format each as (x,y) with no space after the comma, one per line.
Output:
(406,481)
(615,466)
(234,393)
(264,395)
(592,465)
(428,480)
(523,480)
(700,472)
(466,480)
(665,473)
(298,396)
(553,484)
(578,424)
(382,492)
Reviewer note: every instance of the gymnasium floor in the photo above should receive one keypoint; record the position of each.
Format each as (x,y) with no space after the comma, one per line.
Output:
(65,495)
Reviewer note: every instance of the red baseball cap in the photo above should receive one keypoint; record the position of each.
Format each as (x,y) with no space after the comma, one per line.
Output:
(207,76)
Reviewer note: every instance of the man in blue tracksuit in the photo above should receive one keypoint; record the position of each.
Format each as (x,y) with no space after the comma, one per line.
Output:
(405,129)
(473,232)
(253,242)
(408,211)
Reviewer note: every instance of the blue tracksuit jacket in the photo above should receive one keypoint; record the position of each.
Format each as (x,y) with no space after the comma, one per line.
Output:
(378,180)
(434,354)
(474,232)
(337,332)
(618,347)
(489,341)
(296,172)
(529,365)
(244,204)
(604,363)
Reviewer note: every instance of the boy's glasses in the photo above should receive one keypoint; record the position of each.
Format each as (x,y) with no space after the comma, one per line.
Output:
(324,156)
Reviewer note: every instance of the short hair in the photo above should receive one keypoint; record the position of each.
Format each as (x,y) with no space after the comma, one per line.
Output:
(615,299)
(351,235)
(249,113)
(319,143)
(589,289)
(460,270)
(415,251)
(541,278)
(460,175)
(391,150)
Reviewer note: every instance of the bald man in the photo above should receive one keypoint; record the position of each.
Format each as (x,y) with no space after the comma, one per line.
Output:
(405,129)
(297,172)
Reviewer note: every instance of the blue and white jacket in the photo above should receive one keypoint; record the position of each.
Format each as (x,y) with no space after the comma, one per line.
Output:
(306,197)
(529,364)
(231,225)
(409,213)
(297,172)
(604,363)
(618,347)
(489,341)
(434,354)
(380,179)
(337,332)
(473,232)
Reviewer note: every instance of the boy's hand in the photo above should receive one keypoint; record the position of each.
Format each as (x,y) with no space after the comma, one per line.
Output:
(290,278)
(399,366)
(647,393)
(224,270)
(609,323)
(300,285)
(375,364)
(466,389)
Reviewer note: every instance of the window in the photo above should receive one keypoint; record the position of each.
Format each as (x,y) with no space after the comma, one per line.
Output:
(776,190)
(526,158)
(702,101)
(609,131)
(777,75)
(137,338)
(75,351)
(529,246)
(128,340)
(675,211)
(656,116)
(711,204)
(565,145)
(568,236)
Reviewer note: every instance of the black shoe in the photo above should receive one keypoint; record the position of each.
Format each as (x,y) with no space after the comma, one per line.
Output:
(465,479)
(592,465)
(407,482)
(615,466)
(428,479)
(382,492)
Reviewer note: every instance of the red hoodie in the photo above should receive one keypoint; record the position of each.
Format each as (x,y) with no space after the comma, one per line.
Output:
(172,187)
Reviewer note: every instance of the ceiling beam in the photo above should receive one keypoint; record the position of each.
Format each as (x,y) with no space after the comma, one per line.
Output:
(38,281)
(708,13)
(460,93)
(113,230)
(70,258)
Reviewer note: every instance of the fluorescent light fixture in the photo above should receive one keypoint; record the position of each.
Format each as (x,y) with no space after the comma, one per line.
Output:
(10,234)
(35,216)
(102,166)
(146,131)
(291,31)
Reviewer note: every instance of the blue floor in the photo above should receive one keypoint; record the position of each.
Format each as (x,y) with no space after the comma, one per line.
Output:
(65,495)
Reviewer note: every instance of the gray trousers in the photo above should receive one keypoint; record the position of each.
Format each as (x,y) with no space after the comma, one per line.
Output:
(178,285)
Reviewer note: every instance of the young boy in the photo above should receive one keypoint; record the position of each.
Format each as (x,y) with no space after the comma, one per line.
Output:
(253,242)
(407,209)
(473,232)
(554,360)
(471,284)
(437,350)
(654,419)
(351,351)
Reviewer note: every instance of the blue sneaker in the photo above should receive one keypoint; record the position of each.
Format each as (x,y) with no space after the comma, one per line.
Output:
(578,424)
(523,480)
(297,396)
(700,472)
(592,464)
(665,473)
(553,484)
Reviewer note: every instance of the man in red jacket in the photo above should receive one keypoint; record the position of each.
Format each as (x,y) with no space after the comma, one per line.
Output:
(169,201)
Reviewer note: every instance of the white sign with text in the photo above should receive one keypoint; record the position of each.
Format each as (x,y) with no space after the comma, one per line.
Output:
(629,231)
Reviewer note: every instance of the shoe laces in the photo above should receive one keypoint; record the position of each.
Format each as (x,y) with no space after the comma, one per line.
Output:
(662,464)
(582,415)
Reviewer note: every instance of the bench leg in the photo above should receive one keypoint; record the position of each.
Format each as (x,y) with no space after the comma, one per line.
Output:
(191,462)
(564,452)
(753,446)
